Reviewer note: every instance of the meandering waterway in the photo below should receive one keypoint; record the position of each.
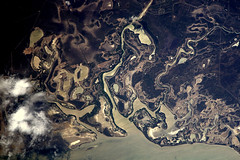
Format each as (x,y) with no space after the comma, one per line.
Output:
(136,146)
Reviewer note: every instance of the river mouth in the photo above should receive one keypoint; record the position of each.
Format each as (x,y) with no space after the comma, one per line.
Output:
(130,79)
(137,147)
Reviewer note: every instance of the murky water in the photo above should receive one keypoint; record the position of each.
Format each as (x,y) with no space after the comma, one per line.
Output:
(137,147)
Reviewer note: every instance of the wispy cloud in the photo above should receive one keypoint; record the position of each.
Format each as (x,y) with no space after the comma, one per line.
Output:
(15,87)
(28,120)
(32,123)
(26,116)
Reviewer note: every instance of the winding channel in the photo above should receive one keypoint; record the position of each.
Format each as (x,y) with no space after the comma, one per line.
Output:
(135,145)
(191,52)
(118,118)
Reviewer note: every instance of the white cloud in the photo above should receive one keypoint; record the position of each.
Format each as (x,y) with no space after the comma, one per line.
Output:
(14,86)
(21,87)
(29,118)
(29,122)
